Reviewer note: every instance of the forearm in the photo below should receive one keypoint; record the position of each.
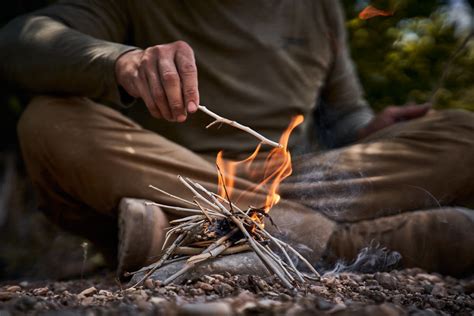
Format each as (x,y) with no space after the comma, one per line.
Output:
(42,55)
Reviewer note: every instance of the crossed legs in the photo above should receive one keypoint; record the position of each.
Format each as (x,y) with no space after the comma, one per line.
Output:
(84,157)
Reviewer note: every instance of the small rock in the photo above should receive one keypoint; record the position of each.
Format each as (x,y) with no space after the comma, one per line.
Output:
(87,301)
(433,278)
(158,300)
(196,292)
(87,292)
(5,296)
(149,284)
(204,286)
(439,291)
(285,297)
(267,303)
(386,280)
(206,309)
(320,290)
(219,277)
(13,289)
(24,283)
(415,289)
(224,288)
(41,291)
(208,279)
(105,293)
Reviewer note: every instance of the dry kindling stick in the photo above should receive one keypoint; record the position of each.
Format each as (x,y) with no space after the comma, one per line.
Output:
(220,119)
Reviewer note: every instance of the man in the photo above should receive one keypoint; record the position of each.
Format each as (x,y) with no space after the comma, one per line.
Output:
(259,63)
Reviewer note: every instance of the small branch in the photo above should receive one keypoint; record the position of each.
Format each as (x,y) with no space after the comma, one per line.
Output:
(220,119)
(192,251)
(171,195)
(165,256)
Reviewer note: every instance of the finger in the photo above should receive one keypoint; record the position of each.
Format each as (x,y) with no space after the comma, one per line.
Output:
(187,70)
(413,111)
(155,88)
(171,83)
(142,87)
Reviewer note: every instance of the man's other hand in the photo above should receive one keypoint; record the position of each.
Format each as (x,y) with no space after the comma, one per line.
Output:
(164,76)
(392,115)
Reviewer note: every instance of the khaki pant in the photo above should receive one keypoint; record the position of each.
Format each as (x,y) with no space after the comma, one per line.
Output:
(396,187)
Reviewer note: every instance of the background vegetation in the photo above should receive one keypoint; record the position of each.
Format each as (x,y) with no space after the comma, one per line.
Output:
(399,58)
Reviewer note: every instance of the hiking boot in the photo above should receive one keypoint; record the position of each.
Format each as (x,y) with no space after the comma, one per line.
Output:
(437,240)
(141,234)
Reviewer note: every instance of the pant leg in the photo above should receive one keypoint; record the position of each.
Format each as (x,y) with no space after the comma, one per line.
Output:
(436,239)
(84,157)
(412,165)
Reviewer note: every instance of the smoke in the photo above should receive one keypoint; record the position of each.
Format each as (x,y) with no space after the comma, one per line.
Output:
(371,259)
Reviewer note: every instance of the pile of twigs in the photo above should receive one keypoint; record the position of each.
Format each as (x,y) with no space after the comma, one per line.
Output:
(217,227)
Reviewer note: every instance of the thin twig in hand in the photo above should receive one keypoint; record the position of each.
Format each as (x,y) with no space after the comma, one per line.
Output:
(220,119)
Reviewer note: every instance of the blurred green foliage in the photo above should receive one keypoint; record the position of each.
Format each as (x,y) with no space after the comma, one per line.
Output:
(400,58)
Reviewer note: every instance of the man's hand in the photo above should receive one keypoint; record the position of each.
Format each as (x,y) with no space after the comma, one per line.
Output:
(164,76)
(392,115)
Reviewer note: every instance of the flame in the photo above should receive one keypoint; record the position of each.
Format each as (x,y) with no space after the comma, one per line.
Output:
(370,12)
(276,168)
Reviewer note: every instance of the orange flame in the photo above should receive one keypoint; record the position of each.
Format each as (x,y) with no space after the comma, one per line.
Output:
(276,168)
(370,12)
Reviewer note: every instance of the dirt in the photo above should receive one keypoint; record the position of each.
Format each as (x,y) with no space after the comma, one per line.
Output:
(405,292)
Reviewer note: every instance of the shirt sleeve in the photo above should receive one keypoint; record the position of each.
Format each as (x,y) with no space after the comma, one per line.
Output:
(342,110)
(67,48)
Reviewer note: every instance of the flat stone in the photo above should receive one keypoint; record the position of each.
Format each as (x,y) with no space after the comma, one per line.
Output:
(241,263)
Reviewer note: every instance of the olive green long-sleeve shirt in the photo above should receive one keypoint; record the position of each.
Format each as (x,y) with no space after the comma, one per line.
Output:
(260,62)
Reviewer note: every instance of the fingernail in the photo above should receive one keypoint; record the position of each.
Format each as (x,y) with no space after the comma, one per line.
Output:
(181,118)
(192,107)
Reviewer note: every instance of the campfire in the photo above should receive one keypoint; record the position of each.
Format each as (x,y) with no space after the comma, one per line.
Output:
(216,226)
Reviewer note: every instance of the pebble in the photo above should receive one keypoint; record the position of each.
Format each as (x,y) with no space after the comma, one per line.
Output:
(5,296)
(89,291)
(149,284)
(224,288)
(41,291)
(219,277)
(204,286)
(158,300)
(433,278)
(386,280)
(13,289)
(105,293)
(87,301)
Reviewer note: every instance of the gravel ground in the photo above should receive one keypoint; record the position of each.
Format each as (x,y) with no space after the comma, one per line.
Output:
(405,292)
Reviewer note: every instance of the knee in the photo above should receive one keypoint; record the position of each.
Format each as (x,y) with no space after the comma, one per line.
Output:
(33,125)
(457,118)
(46,126)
